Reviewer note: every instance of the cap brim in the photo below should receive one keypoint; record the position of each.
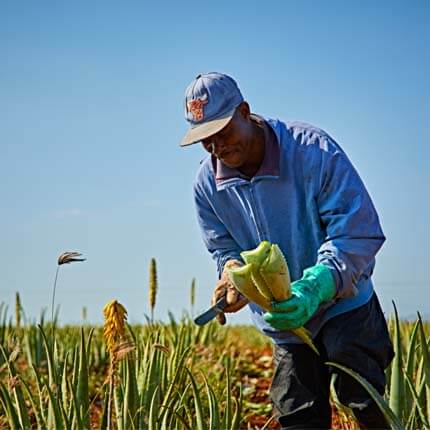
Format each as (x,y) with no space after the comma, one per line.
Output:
(196,134)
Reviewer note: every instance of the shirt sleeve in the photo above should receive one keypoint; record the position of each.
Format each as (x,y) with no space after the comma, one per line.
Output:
(216,237)
(353,231)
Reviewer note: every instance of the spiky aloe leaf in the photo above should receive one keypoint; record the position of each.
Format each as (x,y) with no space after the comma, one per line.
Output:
(226,420)
(7,405)
(237,416)
(305,335)
(411,354)
(39,417)
(152,419)
(39,386)
(397,389)
(23,416)
(257,255)
(200,422)
(178,371)
(410,364)
(104,416)
(425,352)
(274,271)
(54,404)
(389,415)
(131,394)
(53,411)
(82,396)
(261,284)
(77,419)
(214,419)
(419,406)
(241,277)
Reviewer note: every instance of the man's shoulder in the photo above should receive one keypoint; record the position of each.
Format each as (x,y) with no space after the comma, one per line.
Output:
(301,130)
(311,137)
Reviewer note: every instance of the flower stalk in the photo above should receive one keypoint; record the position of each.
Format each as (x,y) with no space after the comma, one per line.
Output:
(117,344)
(153,286)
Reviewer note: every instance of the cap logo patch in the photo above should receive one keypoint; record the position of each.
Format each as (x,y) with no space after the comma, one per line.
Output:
(195,106)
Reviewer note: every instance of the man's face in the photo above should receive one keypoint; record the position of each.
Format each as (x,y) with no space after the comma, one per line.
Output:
(231,144)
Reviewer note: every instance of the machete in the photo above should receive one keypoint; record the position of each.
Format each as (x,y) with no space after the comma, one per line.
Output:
(212,312)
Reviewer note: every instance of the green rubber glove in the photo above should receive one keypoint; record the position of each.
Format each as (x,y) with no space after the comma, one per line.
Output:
(315,287)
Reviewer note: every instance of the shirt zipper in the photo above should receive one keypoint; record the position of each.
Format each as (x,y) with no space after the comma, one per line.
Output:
(257,222)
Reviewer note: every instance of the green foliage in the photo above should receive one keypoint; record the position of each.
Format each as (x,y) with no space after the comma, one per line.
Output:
(180,376)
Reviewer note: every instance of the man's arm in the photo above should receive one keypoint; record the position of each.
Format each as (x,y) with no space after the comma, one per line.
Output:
(223,249)
(353,237)
(217,239)
(353,231)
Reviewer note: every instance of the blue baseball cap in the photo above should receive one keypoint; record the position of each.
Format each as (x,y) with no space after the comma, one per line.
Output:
(210,102)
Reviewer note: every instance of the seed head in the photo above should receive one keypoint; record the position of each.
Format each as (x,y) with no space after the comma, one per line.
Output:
(69,257)
(153,283)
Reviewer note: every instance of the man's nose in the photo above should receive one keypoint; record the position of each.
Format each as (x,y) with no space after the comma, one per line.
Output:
(216,145)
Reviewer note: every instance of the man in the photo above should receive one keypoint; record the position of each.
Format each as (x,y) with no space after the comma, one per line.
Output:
(290,183)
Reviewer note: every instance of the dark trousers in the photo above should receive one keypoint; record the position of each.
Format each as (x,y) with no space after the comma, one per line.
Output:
(357,339)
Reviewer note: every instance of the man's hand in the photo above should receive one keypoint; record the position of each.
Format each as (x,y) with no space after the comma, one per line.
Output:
(316,286)
(225,288)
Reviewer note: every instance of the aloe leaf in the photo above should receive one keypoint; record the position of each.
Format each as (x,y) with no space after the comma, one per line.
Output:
(305,335)
(397,389)
(344,413)
(389,415)
(237,417)
(54,405)
(77,418)
(104,415)
(39,389)
(201,425)
(426,361)
(410,358)
(178,370)
(82,383)
(152,418)
(411,423)
(241,277)
(131,393)
(39,418)
(182,420)
(64,391)
(167,416)
(257,255)
(420,408)
(214,421)
(7,404)
(261,284)
(49,357)
(226,422)
(274,271)
(24,419)
(118,402)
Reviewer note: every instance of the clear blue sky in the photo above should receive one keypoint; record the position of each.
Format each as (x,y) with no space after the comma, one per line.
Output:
(91,114)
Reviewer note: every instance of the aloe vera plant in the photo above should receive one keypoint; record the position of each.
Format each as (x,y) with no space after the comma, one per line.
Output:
(266,279)
(179,376)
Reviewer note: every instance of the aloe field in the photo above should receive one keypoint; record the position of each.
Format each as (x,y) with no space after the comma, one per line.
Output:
(172,375)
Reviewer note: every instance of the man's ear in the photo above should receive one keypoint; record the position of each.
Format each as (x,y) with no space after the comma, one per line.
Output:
(244,110)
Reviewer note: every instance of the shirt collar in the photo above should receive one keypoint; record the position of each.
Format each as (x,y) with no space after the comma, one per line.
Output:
(269,167)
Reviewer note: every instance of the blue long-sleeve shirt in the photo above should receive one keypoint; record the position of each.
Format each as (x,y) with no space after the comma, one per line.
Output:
(308,198)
